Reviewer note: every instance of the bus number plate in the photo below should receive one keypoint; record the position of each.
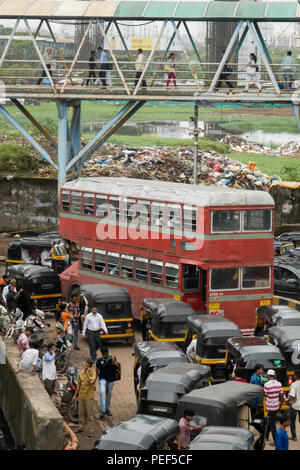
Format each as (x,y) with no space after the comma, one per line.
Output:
(265,302)
(214,306)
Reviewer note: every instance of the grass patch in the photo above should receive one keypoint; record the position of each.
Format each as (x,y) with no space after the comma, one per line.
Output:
(268,164)
(17,160)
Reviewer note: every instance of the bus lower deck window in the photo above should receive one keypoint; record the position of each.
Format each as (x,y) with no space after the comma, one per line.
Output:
(99,260)
(224,278)
(113,264)
(191,277)
(256,277)
(127,266)
(141,269)
(257,220)
(226,221)
(171,275)
(156,272)
(86,258)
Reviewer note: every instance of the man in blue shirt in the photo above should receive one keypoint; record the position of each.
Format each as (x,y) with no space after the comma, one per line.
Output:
(102,61)
(255,403)
(282,439)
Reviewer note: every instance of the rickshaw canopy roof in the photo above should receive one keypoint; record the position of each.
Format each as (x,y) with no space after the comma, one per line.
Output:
(169,311)
(280,315)
(253,350)
(159,353)
(285,335)
(142,432)
(105,293)
(29,271)
(33,242)
(219,403)
(222,438)
(175,379)
(208,326)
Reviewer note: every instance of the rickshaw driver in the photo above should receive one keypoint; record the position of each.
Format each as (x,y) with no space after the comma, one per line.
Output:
(191,349)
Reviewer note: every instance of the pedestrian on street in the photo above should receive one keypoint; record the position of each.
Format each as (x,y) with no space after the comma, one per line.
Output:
(48,60)
(12,298)
(256,403)
(274,398)
(223,79)
(4,281)
(85,391)
(23,342)
(105,369)
(288,68)
(171,74)
(237,375)
(5,290)
(74,310)
(30,361)
(103,65)
(49,369)
(139,67)
(251,73)
(66,319)
(294,402)
(92,66)
(93,323)
(185,428)
(281,438)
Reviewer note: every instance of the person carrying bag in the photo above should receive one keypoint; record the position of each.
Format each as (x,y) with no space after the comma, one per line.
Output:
(294,402)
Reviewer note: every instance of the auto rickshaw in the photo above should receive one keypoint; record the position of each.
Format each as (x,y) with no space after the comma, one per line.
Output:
(227,404)
(222,438)
(114,304)
(247,351)
(287,338)
(163,388)
(276,315)
(143,432)
(166,319)
(41,287)
(29,250)
(151,356)
(282,248)
(212,332)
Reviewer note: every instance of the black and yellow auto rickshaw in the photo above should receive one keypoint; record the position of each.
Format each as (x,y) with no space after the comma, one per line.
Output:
(41,287)
(276,315)
(32,251)
(227,404)
(114,304)
(287,338)
(222,438)
(211,332)
(166,319)
(282,248)
(151,356)
(143,432)
(163,388)
(247,351)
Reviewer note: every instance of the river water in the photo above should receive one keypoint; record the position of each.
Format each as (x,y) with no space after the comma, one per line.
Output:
(181,130)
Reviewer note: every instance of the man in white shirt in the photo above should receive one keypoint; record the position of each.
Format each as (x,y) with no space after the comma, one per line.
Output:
(191,350)
(139,67)
(46,259)
(30,361)
(49,369)
(5,291)
(93,323)
(103,65)
(295,406)
(26,257)
(288,68)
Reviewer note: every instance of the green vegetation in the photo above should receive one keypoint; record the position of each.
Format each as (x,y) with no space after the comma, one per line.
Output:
(291,171)
(17,160)
(268,164)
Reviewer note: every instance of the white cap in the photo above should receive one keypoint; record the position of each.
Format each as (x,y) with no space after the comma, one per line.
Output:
(271,372)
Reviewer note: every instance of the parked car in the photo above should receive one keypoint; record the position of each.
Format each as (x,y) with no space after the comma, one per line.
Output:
(287,277)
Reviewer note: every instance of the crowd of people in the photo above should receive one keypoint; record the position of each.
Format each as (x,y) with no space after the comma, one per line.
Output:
(99,70)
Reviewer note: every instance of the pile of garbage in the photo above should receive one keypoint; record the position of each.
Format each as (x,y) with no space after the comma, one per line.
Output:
(290,149)
(176,164)
(242,144)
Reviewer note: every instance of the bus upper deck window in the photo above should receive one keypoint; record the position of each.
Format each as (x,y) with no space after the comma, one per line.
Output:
(141,269)
(190,218)
(65,201)
(101,205)
(86,257)
(99,260)
(113,260)
(226,221)
(128,209)
(224,278)
(157,214)
(127,266)
(257,220)
(156,272)
(114,207)
(173,215)
(88,204)
(76,202)
(143,212)
(171,275)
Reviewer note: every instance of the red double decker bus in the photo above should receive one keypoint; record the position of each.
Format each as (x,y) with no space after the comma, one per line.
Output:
(209,246)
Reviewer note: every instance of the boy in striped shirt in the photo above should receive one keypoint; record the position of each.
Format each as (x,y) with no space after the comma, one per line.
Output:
(274,398)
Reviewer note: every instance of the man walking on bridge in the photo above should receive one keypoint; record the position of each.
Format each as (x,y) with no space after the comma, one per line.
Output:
(288,68)
(139,67)
(102,61)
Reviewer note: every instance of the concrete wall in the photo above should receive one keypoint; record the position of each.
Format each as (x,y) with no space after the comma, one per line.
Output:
(28,203)
(27,407)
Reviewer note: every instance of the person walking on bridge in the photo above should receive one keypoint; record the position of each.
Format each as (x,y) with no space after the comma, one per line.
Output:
(92,66)
(288,68)
(251,73)
(223,79)
(103,65)
(170,69)
(48,59)
(139,67)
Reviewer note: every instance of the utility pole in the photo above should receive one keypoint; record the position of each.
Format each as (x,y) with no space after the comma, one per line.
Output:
(194,119)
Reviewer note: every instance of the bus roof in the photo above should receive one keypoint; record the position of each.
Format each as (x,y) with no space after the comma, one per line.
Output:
(200,195)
